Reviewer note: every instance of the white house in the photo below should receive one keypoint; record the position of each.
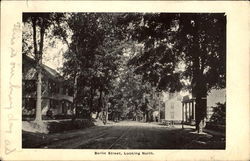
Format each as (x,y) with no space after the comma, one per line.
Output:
(173,106)
(180,106)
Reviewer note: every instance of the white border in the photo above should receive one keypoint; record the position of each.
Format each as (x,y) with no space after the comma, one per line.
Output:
(237,134)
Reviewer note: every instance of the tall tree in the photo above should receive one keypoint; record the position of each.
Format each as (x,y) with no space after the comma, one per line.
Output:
(40,23)
(205,52)
(180,48)
(93,56)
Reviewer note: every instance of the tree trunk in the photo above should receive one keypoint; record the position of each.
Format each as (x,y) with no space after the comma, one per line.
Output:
(97,115)
(200,93)
(75,96)
(99,104)
(38,116)
(199,89)
(200,113)
(159,115)
(34,36)
(38,57)
(106,106)
(92,94)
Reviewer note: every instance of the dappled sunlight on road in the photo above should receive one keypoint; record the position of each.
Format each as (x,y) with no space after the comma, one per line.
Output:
(125,135)
(136,123)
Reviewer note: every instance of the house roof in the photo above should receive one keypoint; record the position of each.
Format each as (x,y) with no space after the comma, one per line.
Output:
(49,72)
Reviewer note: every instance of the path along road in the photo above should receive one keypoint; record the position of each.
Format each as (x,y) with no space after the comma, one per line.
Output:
(125,135)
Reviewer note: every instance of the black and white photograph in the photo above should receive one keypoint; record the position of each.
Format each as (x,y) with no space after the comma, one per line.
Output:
(124,80)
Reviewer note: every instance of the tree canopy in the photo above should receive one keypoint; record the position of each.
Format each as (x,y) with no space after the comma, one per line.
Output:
(124,56)
(180,50)
(173,43)
(94,55)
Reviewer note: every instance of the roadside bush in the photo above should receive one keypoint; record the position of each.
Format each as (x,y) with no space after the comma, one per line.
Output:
(219,115)
(28,117)
(218,119)
(54,127)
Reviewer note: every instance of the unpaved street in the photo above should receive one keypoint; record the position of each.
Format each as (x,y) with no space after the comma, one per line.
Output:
(124,135)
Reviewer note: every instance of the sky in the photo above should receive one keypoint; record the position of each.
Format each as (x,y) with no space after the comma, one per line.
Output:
(53,56)
(52,52)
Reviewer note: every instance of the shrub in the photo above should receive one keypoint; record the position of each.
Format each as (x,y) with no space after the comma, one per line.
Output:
(219,115)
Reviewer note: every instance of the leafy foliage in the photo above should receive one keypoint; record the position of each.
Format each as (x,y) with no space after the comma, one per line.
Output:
(53,25)
(173,39)
(167,51)
(137,97)
(94,55)
(180,51)
(219,114)
(40,23)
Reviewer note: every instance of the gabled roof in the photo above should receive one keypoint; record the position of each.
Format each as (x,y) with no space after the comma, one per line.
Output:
(47,71)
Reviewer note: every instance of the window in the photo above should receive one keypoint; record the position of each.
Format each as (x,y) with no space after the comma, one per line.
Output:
(65,90)
(54,104)
(30,103)
(172,115)
(64,107)
(53,87)
(71,92)
(171,95)
(29,86)
(172,105)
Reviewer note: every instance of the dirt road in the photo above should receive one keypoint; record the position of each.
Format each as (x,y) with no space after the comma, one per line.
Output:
(125,135)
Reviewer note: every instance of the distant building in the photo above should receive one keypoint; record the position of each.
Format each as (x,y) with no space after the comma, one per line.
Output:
(155,105)
(173,107)
(56,95)
(188,110)
(178,108)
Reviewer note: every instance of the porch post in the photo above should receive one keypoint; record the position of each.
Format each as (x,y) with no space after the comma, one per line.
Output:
(194,104)
(186,113)
(190,112)
(182,123)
